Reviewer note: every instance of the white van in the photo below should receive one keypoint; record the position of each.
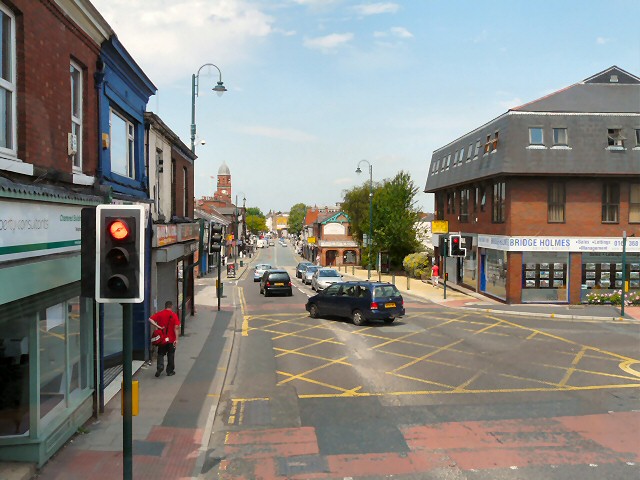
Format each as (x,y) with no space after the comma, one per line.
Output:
(261,243)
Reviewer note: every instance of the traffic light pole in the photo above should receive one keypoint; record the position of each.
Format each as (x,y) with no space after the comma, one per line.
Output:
(219,284)
(127,427)
(444,267)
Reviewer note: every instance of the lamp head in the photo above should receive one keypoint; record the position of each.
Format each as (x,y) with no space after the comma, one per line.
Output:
(220,88)
(358,170)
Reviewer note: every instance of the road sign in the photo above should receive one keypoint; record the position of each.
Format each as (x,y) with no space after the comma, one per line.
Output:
(439,226)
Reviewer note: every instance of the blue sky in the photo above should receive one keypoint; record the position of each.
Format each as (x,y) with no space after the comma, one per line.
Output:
(314,86)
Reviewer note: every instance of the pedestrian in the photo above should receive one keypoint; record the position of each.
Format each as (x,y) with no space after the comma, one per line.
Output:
(167,320)
(435,275)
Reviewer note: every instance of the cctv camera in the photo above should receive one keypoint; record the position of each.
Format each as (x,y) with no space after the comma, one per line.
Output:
(203,142)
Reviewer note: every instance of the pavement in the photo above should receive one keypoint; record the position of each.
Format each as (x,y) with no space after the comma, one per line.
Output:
(172,430)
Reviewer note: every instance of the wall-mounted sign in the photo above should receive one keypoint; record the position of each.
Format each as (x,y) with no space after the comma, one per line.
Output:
(557,244)
(439,226)
(311,240)
(164,235)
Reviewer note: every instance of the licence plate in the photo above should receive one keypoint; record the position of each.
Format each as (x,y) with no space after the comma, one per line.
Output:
(389,305)
(279,284)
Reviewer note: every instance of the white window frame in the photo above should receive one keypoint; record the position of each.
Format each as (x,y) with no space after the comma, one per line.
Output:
(541,143)
(10,85)
(556,141)
(129,146)
(76,159)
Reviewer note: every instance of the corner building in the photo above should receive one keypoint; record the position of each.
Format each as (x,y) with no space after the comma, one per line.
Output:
(543,193)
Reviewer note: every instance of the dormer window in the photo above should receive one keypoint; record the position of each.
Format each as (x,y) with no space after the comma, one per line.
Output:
(536,136)
(615,138)
(560,136)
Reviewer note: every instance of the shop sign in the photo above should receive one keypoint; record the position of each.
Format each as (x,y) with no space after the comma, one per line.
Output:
(188,231)
(311,240)
(557,244)
(440,226)
(337,243)
(165,235)
(32,229)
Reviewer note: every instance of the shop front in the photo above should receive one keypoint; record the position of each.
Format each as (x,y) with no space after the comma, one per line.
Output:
(47,334)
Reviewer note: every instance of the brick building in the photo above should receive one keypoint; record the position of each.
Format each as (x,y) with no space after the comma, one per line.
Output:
(327,238)
(543,193)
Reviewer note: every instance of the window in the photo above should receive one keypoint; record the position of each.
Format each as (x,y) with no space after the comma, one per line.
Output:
(443,164)
(440,206)
(610,202)
(634,203)
(453,202)
(483,198)
(469,152)
(7,82)
(495,142)
(464,205)
(448,161)
(487,145)
(122,145)
(448,202)
(476,199)
(499,190)
(455,158)
(173,188)
(560,136)
(159,160)
(556,203)
(536,136)
(477,150)
(615,138)
(637,137)
(76,115)
(461,158)
(185,189)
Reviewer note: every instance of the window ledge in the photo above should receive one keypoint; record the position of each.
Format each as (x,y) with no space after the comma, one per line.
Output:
(613,148)
(82,179)
(561,147)
(16,166)
(536,147)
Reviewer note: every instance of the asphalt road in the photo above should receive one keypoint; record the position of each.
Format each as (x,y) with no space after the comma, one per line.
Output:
(441,393)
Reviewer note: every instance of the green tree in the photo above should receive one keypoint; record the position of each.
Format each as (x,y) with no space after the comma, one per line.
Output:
(297,213)
(394,217)
(356,205)
(255,211)
(256,224)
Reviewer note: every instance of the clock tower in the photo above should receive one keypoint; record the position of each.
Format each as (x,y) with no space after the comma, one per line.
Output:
(223,192)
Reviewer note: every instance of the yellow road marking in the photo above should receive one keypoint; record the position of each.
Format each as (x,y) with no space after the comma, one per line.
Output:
(317,382)
(590,372)
(626,366)
(462,386)
(304,374)
(308,355)
(421,380)
(430,354)
(327,340)
(572,369)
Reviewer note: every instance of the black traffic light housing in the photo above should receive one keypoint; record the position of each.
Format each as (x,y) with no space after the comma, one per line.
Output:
(455,246)
(215,238)
(119,254)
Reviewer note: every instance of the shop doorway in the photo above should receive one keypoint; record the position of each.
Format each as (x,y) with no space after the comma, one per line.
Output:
(331,257)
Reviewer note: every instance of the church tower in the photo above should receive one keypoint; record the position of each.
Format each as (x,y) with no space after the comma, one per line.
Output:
(223,192)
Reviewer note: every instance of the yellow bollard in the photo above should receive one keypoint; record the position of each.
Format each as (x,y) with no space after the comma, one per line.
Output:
(135,398)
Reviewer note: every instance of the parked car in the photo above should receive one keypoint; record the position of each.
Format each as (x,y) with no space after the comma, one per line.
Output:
(308,273)
(301,268)
(324,277)
(259,270)
(275,281)
(359,301)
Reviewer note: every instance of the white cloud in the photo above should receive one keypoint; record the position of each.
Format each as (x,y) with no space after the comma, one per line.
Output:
(376,8)
(188,32)
(288,134)
(602,40)
(328,42)
(401,32)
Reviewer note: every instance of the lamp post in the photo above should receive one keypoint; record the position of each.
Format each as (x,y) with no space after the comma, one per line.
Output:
(237,223)
(219,89)
(358,170)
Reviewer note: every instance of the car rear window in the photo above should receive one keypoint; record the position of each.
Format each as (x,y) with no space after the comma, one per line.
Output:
(386,291)
(328,273)
(311,269)
(279,277)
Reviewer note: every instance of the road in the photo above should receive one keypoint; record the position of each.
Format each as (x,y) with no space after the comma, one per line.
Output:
(441,393)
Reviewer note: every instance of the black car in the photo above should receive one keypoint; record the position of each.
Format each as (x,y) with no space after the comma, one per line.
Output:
(275,281)
(302,266)
(359,301)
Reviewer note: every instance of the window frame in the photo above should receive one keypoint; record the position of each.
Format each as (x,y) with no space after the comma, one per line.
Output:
(10,86)
(557,199)
(77,120)
(557,143)
(498,202)
(130,144)
(185,192)
(531,142)
(476,151)
(610,204)
(465,193)
(634,207)
(615,144)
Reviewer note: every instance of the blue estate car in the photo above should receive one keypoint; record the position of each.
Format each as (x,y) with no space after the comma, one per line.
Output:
(359,301)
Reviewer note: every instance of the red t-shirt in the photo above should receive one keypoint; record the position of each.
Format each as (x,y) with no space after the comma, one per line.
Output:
(169,320)
(435,271)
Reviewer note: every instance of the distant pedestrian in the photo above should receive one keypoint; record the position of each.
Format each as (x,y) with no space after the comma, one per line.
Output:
(435,275)
(168,321)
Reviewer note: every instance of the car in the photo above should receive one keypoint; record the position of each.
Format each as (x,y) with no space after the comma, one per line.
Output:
(358,301)
(271,243)
(301,268)
(308,273)
(324,277)
(259,270)
(275,281)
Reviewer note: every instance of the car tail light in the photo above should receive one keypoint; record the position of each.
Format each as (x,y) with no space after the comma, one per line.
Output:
(289,283)
(268,284)
(374,305)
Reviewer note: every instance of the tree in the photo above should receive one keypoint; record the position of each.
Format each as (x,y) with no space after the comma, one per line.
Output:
(255,211)
(256,224)
(356,205)
(395,216)
(297,214)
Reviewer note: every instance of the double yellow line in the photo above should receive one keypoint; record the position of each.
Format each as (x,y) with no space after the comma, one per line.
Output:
(245,318)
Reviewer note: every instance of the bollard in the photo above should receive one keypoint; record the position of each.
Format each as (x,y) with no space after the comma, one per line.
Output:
(393,278)
(408,278)
(353,269)
(241,263)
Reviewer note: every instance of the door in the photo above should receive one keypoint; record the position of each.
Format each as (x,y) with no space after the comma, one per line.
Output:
(328,298)
(483,277)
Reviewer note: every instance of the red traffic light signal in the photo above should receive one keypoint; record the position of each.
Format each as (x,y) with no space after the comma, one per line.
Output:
(119,254)
(455,246)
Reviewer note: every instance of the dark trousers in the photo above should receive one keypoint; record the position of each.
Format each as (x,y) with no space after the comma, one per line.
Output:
(169,350)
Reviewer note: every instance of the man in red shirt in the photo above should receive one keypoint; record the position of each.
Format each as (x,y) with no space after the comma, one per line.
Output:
(435,275)
(168,321)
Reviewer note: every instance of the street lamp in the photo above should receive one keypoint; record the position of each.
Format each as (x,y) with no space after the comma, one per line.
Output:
(358,170)
(219,89)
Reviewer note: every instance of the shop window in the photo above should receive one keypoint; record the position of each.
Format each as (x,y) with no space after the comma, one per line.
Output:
(545,276)
(610,203)
(536,136)
(499,192)
(556,202)
(560,137)
(602,272)
(615,138)
(634,203)
(8,83)
(495,271)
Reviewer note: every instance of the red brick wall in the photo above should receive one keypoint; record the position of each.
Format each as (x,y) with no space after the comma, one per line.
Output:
(47,41)
(514,277)
(181,164)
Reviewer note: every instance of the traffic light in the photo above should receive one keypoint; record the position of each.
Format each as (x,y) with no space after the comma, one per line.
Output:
(119,254)
(215,239)
(455,246)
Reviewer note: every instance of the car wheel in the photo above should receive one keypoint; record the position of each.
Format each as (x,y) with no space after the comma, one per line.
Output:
(290,293)
(313,311)
(389,320)
(266,292)
(358,318)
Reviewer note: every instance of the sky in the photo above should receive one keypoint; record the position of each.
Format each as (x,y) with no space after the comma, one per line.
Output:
(316,86)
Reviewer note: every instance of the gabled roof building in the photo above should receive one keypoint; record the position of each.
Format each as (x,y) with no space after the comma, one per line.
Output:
(543,193)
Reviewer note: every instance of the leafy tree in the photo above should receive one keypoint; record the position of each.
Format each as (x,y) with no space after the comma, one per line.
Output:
(395,216)
(356,205)
(255,211)
(297,213)
(256,224)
